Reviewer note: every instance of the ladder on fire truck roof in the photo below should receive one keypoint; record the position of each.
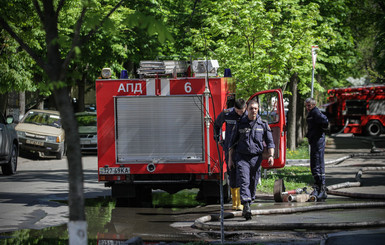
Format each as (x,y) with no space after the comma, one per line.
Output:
(378,89)
(150,68)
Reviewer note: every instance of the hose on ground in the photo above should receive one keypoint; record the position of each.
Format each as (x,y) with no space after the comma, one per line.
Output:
(202,223)
(332,189)
(338,160)
(356,195)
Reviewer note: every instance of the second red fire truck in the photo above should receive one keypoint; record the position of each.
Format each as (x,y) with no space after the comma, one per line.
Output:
(156,131)
(357,110)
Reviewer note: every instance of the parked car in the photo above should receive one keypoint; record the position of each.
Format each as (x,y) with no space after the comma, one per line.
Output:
(87,130)
(41,131)
(9,146)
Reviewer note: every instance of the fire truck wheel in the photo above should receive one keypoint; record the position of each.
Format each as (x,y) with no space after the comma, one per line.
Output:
(373,128)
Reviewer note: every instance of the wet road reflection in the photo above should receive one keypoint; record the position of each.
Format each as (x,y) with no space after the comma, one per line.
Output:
(170,220)
(151,224)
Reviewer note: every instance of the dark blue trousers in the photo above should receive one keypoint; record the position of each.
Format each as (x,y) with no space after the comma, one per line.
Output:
(248,171)
(317,162)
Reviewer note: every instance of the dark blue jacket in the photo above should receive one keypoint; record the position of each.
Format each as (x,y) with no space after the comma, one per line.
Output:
(230,117)
(317,122)
(250,137)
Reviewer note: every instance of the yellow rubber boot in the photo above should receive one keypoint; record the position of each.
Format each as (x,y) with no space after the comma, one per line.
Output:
(238,199)
(234,198)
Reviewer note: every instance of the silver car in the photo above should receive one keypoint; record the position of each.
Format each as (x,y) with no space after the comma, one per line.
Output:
(87,131)
(41,131)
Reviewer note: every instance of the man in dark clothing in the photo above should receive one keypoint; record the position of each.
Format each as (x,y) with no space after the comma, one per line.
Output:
(247,143)
(230,116)
(317,124)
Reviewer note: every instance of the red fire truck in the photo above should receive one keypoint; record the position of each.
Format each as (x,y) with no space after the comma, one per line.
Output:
(156,132)
(357,110)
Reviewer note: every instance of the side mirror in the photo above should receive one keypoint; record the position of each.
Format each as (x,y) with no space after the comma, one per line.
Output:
(10,119)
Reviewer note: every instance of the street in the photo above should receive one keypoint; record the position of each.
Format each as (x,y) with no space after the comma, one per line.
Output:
(27,198)
(35,198)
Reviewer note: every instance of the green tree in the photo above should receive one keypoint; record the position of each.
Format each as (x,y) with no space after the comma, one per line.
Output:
(63,30)
(17,69)
(367,23)
(267,44)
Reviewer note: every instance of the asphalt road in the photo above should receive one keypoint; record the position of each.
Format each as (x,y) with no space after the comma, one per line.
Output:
(27,202)
(26,198)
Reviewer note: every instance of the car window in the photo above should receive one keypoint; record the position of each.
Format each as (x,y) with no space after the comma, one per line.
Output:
(42,118)
(268,107)
(86,120)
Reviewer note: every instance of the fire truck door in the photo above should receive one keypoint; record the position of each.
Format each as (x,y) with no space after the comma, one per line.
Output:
(271,109)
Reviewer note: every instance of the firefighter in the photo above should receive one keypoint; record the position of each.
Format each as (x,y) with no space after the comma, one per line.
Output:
(247,143)
(230,116)
(317,124)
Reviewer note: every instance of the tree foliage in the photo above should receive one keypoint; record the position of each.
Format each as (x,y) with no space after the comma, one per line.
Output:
(54,34)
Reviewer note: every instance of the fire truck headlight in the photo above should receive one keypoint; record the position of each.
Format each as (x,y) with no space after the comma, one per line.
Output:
(106,73)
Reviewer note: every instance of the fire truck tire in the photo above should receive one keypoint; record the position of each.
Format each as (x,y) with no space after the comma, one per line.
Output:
(373,128)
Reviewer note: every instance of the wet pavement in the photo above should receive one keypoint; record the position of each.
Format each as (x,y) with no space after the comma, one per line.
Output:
(36,208)
(338,220)
(315,223)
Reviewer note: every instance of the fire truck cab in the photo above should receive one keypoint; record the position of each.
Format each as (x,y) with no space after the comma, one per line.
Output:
(156,131)
(357,110)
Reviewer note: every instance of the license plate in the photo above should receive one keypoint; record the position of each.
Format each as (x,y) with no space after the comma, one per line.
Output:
(114,170)
(34,142)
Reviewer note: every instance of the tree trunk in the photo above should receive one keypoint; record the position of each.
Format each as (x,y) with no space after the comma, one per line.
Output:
(81,91)
(3,102)
(40,105)
(77,220)
(291,126)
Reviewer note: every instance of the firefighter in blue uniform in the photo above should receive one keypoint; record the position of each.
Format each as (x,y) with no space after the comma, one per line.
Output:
(317,124)
(247,143)
(230,116)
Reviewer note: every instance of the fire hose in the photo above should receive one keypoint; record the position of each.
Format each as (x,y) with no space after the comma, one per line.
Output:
(374,153)
(332,189)
(202,223)
(297,195)
(301,195)
(342,130)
